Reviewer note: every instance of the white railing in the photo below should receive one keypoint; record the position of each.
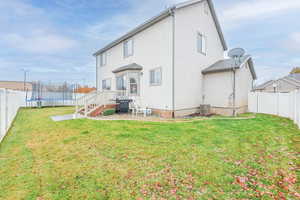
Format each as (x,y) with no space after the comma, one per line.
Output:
(90,102)
(10,102)
(281,104)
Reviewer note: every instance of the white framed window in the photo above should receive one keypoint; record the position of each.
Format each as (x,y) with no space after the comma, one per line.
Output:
(206,8)
(128,48)
(106,84)
(121,82)
(201,43)
(133,85)
(155,76)
(102,59)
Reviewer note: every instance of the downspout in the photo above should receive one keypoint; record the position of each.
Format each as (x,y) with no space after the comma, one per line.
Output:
(203,89)
(172,13)
(234,92)
(96,74)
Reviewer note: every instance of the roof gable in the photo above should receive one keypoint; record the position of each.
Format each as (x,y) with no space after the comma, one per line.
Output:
(229,65)
(264,85)
(162,16)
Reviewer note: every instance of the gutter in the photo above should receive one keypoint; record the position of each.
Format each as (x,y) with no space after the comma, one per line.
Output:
(172,13)
(135,31)
(162,16)
(234,92)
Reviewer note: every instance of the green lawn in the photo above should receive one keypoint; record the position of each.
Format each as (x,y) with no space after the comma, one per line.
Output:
(209,159)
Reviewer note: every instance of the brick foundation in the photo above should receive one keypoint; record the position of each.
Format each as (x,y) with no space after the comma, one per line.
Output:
(228,111)
(162,113)
(185,112)
(101,109)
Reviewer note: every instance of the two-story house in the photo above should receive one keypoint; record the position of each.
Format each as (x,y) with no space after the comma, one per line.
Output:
(175,61)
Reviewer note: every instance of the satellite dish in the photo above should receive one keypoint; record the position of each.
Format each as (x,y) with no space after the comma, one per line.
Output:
(236,53)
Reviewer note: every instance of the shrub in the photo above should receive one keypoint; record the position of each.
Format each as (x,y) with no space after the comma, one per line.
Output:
(109,112)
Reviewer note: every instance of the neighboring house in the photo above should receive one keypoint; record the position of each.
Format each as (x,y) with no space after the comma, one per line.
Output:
(286,84)
(16,85)
(295,76)
(175,62)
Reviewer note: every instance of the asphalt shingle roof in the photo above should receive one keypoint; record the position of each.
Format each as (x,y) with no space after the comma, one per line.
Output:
(291,79)
(295,76)
(229,64)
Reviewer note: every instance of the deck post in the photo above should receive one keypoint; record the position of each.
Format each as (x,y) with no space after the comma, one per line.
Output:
(85,107)
(76,108)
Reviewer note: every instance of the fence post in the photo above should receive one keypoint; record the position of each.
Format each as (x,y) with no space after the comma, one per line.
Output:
(2,131)
(295,106)
(297,111)
(85,108)
(5,110)
(257,102)
(3,113)
(277,103)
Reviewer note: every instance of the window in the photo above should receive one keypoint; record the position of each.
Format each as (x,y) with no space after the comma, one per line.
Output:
(155,76)
(102,59)
(201,43)
(106,84)
(128,48)
(133,86)
(206,8)
(121,82)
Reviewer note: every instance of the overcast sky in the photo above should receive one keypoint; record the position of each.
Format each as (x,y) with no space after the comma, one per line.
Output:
(55,39)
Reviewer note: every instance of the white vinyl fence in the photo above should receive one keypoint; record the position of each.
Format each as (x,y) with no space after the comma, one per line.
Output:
(10,102)
(281,104)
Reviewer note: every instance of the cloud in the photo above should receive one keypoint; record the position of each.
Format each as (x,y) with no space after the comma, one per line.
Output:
(19,8)
(256,9)
(39,42)
(117,25)
(43,70)
(293,42)
(268,72)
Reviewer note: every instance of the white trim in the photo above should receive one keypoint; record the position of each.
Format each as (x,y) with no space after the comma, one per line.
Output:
(203,41)
(187,3)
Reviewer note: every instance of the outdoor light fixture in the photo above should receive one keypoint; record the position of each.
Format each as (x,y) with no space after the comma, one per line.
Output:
(275,86)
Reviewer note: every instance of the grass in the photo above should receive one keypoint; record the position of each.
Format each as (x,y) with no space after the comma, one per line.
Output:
(209,159)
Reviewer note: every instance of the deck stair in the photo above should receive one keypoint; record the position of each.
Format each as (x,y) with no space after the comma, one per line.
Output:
(94,103)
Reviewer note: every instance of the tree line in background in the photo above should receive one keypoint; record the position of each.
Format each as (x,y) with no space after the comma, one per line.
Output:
(296,70)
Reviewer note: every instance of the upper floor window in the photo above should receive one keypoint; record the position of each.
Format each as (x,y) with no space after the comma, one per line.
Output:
(201,43)
(128,48)
(102,60)
(106,84)
(155,77)
(206,8)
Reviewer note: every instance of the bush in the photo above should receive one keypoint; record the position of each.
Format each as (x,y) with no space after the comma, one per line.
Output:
(109,112)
